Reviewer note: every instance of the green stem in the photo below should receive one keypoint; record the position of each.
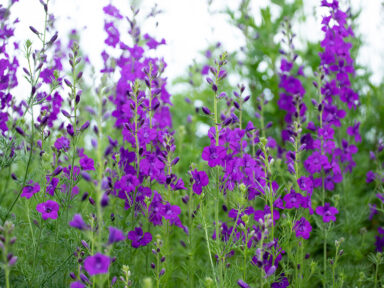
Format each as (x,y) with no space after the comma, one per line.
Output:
(74,140)
(5,260)
(6,184)
(36,252)
(325,258)
(217,224)
(25,173)
(245,256)
(267,168)
(30,224)
(209,247)
(191,264)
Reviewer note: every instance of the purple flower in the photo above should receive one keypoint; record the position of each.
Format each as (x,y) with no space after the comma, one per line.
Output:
(177,184)
(152,43)
(354,131)
(294,200)
(271,143)
(126,184)
(112,11)
(77,284)
(326,132)
(171,213)
(285,66)
(214,155)
(113,34)
(97,264)
(379,240)
(370,177)
(52,186)
(380,196)
(139,238)
(316,162)
(282,284)
(115,235)
(205,70)
(302,228)
(87,163)
(30,189)
(78,222)
(327,212)
(48,209)
(305,184)
(242,284)
(156,210)
(373,210)
(62,143)
(200,179)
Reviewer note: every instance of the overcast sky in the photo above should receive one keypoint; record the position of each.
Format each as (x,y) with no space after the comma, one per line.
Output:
(188,27)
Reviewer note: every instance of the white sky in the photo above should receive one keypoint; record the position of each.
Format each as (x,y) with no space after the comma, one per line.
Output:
(188,27)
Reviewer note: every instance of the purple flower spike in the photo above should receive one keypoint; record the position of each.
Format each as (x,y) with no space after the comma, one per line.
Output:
(139,238)
(302,228)
(97,264)
(327,212)
(200,179)
(115,235)
(48,209)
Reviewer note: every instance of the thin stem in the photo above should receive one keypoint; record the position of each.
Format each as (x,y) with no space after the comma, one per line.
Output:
(36,251)
(6,266)
(376,273)
(245,255)
(217,224)
(325,258)
(191,264)
(25,173)
(100,174)
(270,195)
(209,248)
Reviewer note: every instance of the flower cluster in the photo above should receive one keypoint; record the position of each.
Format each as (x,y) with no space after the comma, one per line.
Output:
(93,169)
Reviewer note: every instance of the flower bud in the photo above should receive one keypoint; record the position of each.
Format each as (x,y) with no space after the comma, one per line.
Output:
(33,29)
(206,110)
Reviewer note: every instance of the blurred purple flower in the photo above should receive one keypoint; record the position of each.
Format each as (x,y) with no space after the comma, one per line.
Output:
(97,264)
